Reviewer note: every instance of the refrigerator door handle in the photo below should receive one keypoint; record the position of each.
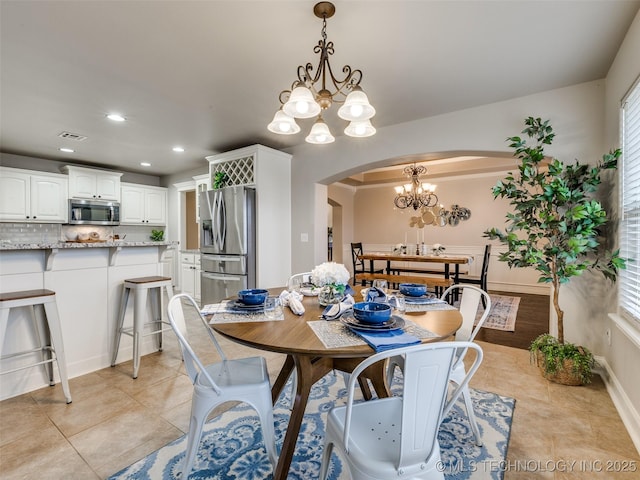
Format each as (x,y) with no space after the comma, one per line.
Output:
(226,278)
(221,258)
(220,220)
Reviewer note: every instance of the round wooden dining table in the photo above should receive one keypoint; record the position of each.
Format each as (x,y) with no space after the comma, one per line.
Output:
(312,360)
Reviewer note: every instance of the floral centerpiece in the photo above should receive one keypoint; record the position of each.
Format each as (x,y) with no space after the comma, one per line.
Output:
(437,249)
(332,278)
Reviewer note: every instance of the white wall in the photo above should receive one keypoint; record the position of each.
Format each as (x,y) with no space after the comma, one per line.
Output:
(622,357)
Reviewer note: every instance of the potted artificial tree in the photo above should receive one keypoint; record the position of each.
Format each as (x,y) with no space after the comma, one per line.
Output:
(555,227)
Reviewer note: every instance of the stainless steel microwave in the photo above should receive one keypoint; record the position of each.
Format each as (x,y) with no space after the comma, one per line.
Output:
(93,212)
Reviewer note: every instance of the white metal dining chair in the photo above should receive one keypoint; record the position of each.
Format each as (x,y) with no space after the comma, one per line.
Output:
(470,298)
(297,280)
(245,380)
(397,437)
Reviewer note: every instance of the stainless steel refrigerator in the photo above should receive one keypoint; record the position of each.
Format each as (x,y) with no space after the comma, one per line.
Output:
(227,242)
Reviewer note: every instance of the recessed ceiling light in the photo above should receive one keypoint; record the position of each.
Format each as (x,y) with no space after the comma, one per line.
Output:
(145,164)
(178,149)
(67,150)
(116,117)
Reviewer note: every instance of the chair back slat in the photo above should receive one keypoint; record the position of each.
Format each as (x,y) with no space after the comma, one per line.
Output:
(470,298)
(192,362)
(356,249)
(426,376)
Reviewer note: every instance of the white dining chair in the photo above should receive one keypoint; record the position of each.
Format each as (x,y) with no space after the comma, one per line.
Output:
(297,280)
(470,298)
(245,380)
(397,437)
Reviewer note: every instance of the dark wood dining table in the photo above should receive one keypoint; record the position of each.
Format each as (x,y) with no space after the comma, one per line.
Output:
(312,360)
(446,260)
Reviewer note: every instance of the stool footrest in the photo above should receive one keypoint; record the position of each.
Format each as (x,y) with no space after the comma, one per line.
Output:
(17,369)
(129,330)
(28,352)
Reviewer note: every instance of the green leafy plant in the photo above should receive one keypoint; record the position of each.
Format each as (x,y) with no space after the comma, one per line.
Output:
(157,235)
(553,355)
(556,223)
(219,179)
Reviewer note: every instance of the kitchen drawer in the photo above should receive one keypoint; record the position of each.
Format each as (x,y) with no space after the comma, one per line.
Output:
(188,258)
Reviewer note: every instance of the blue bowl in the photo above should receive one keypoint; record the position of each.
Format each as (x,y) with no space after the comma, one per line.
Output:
(254,296)
(371,312)
(413,289)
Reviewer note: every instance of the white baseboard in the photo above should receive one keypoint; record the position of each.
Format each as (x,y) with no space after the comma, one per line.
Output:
(538,289)
(628,413)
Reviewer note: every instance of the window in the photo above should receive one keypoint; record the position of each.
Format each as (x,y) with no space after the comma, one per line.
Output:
(629,298)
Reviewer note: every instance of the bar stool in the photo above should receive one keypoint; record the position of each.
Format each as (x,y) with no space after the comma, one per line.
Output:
(141,287)
(51,346)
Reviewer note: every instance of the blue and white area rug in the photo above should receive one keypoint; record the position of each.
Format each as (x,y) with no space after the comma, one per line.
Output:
(232,447)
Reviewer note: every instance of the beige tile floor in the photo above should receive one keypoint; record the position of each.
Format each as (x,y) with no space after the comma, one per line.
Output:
(115,420)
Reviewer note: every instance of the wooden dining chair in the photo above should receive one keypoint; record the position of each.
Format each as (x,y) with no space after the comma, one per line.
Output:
(359,265)
(481,281)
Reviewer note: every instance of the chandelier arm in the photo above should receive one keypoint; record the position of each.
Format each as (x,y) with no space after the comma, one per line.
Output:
(284,96)
(402,201)
(352,79)
(429,199)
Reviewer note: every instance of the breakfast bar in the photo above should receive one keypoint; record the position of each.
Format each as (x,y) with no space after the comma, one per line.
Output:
(87,279)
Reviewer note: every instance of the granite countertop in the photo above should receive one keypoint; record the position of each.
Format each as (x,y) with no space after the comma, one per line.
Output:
(67,245)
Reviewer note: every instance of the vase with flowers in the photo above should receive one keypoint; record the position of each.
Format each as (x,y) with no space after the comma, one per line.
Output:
(332,279)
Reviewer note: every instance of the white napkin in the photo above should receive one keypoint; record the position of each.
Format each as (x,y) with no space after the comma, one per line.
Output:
(374,294)
(336,310)
(293,300)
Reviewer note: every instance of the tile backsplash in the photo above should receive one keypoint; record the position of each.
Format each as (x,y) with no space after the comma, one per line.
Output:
(30,232)
(53,232)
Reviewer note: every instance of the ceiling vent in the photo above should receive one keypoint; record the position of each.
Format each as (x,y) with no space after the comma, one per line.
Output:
(72,136)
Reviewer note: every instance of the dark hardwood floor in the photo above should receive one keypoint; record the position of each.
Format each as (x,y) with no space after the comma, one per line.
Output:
(532,320)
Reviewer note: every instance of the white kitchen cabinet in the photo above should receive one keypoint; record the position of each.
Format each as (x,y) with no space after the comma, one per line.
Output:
(29,196)
(202,185)
(269,171)
(190,274)
(143,205)
(92,183)
(167,261)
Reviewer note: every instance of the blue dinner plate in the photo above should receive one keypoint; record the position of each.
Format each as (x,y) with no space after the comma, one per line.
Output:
(394,323)
(423,300)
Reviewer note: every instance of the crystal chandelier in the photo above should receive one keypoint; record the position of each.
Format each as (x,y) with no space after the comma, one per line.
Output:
(309,95)
(415,194)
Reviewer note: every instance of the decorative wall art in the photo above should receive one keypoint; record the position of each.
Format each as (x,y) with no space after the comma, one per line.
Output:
(440,217)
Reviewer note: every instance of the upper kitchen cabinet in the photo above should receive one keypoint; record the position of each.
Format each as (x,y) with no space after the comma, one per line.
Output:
(92,183)
(269,171)
(202,185)
(29,196)
(143,205)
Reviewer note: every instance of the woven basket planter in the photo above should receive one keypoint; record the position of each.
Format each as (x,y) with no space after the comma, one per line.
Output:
(565,375)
